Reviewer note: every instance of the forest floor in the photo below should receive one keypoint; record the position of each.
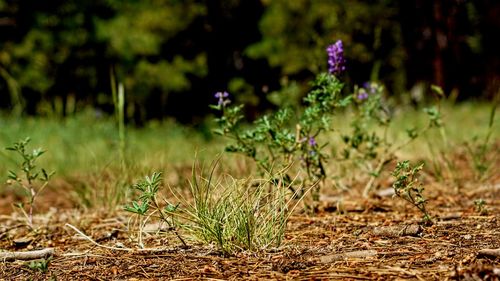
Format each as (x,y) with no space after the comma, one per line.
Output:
(362,239)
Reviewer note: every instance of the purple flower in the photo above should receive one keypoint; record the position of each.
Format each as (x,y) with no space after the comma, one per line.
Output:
(336,61)
(222,98)
(312,141)
(362,94)
(221,95)
(370,87)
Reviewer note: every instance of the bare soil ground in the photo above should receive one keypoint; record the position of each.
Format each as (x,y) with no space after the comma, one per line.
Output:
(367,239)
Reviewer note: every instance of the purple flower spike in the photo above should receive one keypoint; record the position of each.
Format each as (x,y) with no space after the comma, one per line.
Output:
(336,61)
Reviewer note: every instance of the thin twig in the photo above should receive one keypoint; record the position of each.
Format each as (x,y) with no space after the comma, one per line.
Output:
(30,255)
(95,243)
(143,250)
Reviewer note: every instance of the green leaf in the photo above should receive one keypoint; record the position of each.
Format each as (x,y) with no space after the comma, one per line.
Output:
(37,152)
(437,90)
(47,176)
(137,208)
(170,208)
(218,132)
(12,175)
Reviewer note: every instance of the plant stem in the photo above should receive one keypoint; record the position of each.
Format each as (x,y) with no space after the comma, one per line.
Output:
(170,225)
(121,124)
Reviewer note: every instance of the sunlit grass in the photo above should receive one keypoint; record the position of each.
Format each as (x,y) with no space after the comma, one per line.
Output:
(462,123)
(85,143)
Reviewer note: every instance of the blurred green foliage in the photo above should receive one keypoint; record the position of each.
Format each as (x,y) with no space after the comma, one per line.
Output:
(59,55)
(293,31)
(136,35)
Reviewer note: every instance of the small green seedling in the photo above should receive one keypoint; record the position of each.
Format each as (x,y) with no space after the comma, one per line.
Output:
(148,205)
(408,187)
(41,264)
(481,207)
(29,177)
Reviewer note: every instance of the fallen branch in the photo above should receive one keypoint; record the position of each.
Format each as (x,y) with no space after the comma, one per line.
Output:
(348,255)
(31,255)
(398,231)
(489,253)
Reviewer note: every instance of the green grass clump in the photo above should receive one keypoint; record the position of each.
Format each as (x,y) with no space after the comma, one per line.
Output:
(238,215)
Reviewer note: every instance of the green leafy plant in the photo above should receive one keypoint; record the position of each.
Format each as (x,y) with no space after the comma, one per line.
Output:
(148,205)
(294,135)
(368,145)
(408,187)
(29,177)
(41,264)
(481,207)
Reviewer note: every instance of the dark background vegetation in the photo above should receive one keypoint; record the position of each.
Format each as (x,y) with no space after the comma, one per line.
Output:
(57,57)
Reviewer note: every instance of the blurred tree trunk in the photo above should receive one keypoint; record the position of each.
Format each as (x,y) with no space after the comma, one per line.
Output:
(440,44)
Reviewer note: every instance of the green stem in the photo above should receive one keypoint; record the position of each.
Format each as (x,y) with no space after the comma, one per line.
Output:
(121,124)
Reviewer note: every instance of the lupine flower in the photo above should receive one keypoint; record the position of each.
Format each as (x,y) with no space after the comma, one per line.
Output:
(336,61)
(371,87)
(312,141)
(362,94)
(222,98)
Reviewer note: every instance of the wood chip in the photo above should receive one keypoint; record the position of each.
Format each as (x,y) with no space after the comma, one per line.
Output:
(398,231)
(386,192)
(22,242)
(348,255)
